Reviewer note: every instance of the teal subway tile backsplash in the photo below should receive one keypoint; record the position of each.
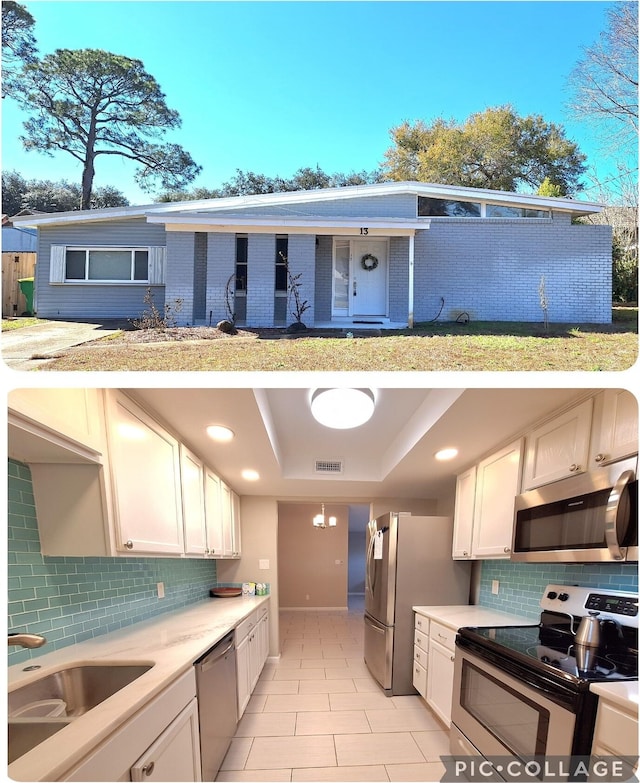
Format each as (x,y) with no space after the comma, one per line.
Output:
(522,584)
(70,599)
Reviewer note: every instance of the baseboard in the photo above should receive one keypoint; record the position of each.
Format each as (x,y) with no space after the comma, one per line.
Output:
(314,608)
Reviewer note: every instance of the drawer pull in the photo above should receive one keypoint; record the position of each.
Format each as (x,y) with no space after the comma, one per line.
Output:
(440,636)
(453,657)
(128,544)
(148,768)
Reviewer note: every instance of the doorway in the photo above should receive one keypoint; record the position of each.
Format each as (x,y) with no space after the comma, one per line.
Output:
(360,278)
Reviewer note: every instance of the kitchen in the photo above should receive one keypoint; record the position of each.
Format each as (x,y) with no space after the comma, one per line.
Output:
(110,558)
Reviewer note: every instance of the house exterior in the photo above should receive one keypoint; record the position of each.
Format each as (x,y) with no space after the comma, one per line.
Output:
(390,254)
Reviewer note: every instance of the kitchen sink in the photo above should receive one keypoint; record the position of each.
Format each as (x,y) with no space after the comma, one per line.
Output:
(65,694)
(80,687)
(26,733)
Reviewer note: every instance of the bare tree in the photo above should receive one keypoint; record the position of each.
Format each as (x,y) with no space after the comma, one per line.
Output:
(605,80)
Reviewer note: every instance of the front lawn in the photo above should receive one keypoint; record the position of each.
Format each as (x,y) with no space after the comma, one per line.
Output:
(9,324)
(476,346)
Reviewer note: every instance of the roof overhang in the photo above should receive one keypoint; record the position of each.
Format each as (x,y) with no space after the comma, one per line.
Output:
(381,189)
(364,226)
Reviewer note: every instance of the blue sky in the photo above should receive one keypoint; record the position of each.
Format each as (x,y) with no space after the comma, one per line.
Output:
(271,87)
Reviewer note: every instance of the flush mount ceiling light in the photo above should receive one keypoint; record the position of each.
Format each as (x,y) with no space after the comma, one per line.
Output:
(220,433)
(342,409)
(445,454)
(321,522)
(250,475)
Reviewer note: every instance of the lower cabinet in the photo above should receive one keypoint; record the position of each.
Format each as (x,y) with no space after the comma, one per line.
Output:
(616,734)
(252,649)
(160,742)
(175,754)
(433,662)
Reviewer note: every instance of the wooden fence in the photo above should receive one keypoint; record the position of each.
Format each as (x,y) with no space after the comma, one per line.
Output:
(15,266)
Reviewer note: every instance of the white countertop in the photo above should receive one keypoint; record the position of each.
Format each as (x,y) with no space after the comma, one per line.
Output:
(463,616)
(171,642)
(622,694)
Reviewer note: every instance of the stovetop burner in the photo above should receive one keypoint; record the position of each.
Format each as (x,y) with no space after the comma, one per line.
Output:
(552,649)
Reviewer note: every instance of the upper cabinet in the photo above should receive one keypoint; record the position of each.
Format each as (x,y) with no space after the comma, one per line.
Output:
(615,427)
(485,496)
(56,425)
(110,480)
(145,478)
(596,432)
(558,448)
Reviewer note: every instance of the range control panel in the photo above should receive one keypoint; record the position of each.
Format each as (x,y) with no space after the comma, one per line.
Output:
(611,603)
(579,601)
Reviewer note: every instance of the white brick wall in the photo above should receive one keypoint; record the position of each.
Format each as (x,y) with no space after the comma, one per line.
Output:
(302,260)
(261,276)
(221,264)
(180,273)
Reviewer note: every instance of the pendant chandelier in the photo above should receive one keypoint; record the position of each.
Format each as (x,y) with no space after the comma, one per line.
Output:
(321,522)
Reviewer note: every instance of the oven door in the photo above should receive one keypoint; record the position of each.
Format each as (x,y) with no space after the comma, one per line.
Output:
(501,715)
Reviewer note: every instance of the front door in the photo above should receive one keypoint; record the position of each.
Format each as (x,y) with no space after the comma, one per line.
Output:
(368,294)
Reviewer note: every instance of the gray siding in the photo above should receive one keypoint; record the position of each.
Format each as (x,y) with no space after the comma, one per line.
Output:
(398,206)
(324,265)
(492,270)
(179,277)
(94,300)
(221,264)
(302,261)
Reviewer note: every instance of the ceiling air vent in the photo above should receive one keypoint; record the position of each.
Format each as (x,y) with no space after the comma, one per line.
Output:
(332,466)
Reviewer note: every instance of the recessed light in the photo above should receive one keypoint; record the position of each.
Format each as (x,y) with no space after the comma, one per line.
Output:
(220,433)
(445,454)
(250,475)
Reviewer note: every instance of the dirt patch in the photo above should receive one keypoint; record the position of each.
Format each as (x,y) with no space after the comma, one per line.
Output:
(180,333)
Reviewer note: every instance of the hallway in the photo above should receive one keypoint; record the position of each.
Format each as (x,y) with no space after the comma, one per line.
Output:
(317,714)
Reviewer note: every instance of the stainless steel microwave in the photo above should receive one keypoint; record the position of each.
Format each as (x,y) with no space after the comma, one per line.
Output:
(592,517)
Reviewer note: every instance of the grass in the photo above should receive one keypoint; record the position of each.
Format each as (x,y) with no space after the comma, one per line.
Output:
(479,346)
(9,324)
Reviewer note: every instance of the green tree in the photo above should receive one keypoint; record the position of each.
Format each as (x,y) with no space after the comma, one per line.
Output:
(18,41)
(548,188)
(48,196)
(495,149)
(91,103)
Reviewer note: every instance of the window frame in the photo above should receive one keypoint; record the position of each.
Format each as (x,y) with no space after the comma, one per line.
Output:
(483,206)
(239,290)
(281,262)
(87,249)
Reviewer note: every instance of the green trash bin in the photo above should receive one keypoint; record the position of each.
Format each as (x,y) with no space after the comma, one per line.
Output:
(26,286)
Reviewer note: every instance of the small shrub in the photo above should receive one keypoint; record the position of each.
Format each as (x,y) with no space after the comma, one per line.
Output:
(152,318)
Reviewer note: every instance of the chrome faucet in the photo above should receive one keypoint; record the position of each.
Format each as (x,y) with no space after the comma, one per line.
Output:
(27,639)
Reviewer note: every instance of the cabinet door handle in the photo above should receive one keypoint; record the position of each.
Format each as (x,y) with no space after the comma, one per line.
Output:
(574,467)
(465,554)
(453,657)
(128,544)
(148,768)
(601,457)
(507,549)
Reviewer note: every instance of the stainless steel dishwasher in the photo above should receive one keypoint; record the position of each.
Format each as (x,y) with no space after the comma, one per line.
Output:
(217,703)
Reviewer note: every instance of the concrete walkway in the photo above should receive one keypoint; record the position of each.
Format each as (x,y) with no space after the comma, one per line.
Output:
(33,346)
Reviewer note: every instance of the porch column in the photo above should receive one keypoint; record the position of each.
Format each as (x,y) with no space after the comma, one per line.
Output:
(410,286)
(179,275)
(302,261)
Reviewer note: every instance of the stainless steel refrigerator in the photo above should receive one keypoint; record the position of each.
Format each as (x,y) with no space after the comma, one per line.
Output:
(408,563)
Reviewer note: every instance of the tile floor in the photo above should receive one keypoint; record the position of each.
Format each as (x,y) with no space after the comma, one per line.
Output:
(317,714)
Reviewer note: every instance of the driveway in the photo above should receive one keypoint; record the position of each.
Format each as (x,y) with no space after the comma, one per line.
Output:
(33,346)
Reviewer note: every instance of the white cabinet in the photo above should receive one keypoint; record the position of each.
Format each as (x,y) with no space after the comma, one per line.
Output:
(558,448)
(72,414)
(463,516)
(433,663)
(615,427)
(252,649)
(230,512)
(440,679)
(616,734)
(485,496)
(195,527)
(497,484)
(174,756)
(163,733)
(213,513)
(145,481)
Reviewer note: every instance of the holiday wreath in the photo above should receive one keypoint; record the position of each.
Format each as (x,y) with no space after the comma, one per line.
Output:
(368,262)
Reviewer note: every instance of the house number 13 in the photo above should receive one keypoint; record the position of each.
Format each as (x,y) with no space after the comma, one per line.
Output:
(364,231)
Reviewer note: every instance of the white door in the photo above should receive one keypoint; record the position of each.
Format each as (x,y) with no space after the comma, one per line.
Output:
(368,294)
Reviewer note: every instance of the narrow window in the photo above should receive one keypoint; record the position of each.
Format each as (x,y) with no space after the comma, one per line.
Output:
(242,247)
(282,250)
